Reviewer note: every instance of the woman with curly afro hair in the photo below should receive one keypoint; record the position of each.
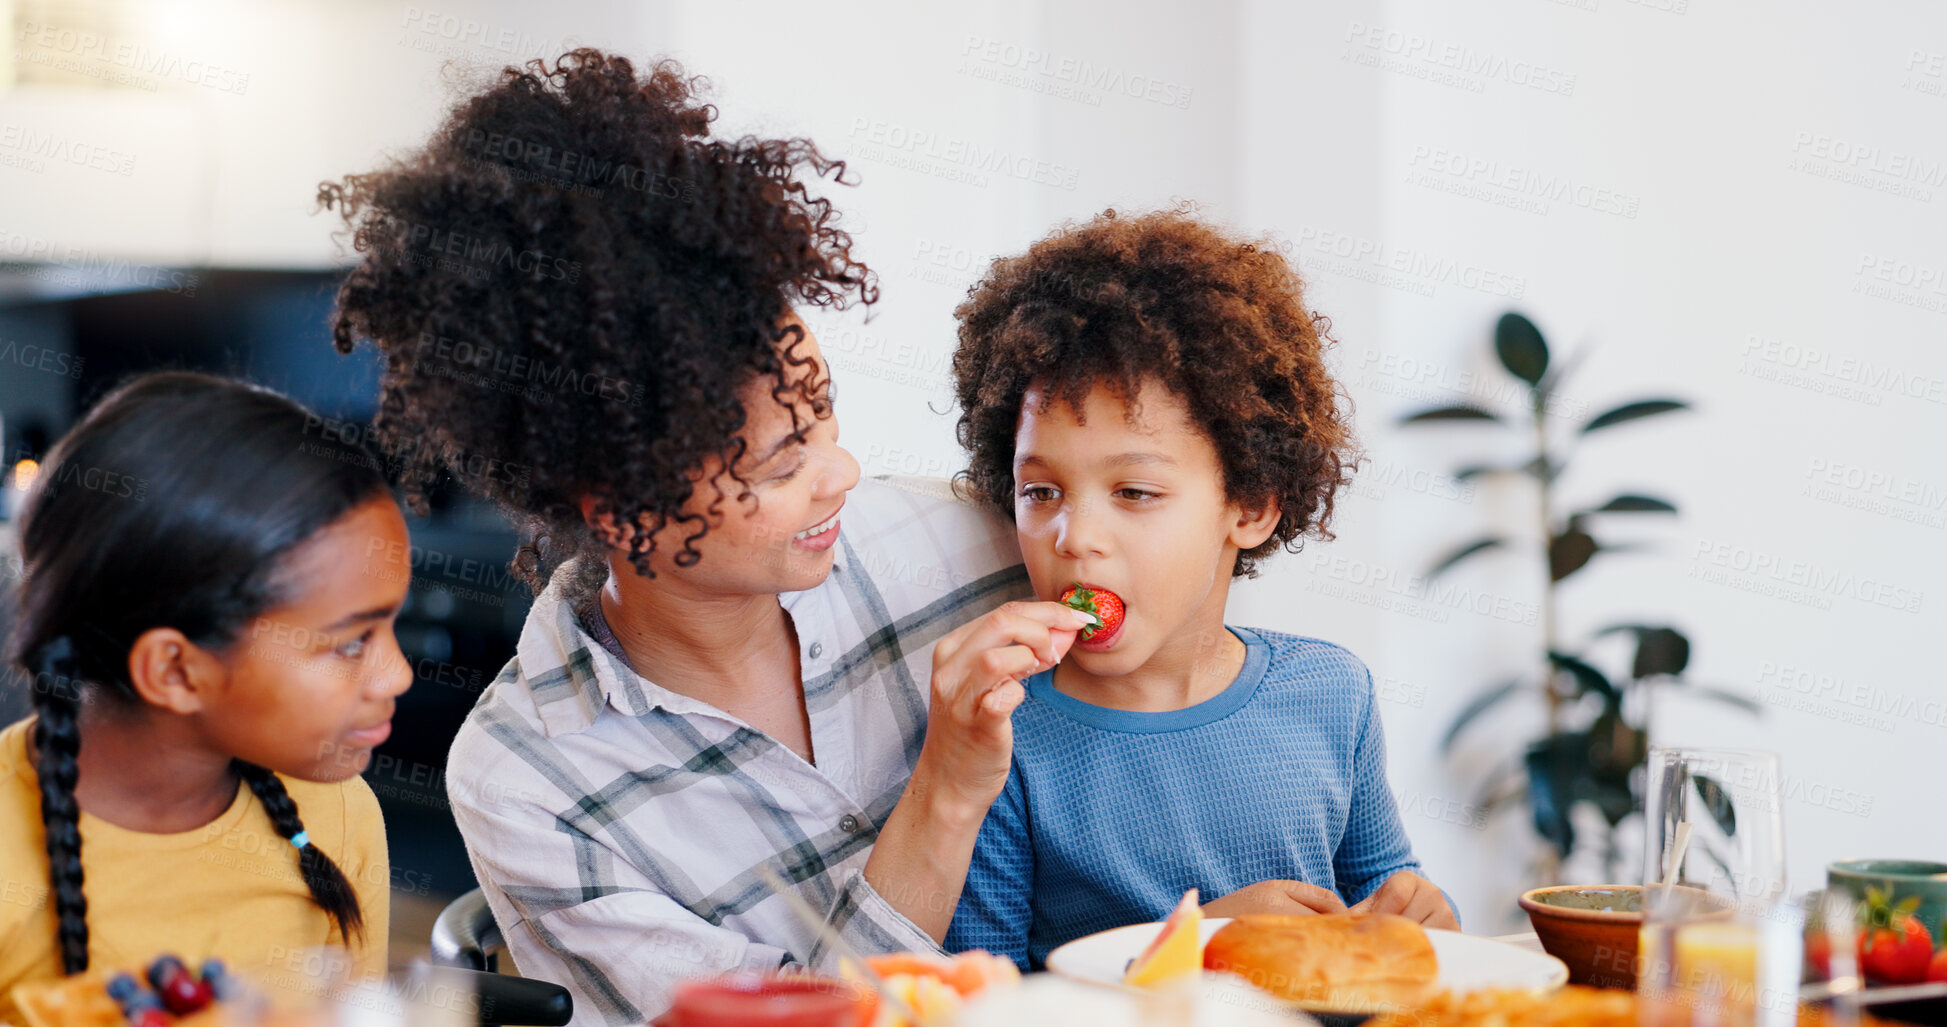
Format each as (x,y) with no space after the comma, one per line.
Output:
(586,306)
(1147,398)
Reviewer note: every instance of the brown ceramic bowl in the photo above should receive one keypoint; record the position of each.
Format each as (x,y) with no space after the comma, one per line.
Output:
(1592,928)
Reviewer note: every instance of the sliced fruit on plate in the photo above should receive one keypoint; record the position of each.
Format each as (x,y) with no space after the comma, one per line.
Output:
(1176,950)
(934,987)
(968,973)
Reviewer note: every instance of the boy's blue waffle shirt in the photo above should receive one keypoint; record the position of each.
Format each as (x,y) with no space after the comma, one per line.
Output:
(1109,816)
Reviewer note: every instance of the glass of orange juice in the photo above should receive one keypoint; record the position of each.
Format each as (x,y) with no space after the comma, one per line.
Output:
(1751,966)
(1719,944)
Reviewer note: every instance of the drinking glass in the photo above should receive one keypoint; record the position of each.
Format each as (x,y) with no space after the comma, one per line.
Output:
(1832,975)
(1718,937)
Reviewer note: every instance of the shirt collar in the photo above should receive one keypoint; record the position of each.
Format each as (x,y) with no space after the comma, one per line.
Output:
(565,670)
(571,676)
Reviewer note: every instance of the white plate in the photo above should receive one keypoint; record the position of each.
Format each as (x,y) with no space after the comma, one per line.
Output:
(1468,962)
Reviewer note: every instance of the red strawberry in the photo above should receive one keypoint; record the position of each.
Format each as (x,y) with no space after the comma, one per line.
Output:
(1104,604)
(1894,946)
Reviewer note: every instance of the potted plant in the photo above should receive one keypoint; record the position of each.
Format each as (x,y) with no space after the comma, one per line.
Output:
(1595,742)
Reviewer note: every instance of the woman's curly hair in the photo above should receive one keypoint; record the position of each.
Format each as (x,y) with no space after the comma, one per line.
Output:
(571,284)
(1219,321)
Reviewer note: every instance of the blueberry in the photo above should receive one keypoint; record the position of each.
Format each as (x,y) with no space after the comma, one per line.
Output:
(161,970)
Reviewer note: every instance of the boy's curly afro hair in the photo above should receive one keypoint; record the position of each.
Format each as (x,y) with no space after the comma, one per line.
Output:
(1219,321)
(572,283)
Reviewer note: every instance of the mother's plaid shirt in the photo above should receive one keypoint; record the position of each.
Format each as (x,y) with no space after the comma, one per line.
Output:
(616,826)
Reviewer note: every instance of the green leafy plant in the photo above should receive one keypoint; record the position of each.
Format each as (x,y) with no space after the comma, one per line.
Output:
(1595,744)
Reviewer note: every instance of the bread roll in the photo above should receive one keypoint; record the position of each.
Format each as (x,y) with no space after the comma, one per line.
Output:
(1362,962)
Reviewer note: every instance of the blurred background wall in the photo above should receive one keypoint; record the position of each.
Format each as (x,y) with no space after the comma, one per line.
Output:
(1734,204)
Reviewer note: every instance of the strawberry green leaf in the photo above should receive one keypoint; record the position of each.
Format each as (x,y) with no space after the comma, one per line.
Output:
(1083,599)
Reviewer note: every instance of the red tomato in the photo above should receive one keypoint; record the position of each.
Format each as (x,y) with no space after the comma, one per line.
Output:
(1937,970)
(1896,954)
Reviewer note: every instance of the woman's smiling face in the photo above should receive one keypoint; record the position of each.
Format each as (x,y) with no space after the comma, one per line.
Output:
(780,537)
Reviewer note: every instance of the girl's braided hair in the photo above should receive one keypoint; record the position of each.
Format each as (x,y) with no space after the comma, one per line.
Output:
(171,504)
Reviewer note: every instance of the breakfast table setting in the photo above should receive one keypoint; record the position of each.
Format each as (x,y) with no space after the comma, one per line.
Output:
(1711,934)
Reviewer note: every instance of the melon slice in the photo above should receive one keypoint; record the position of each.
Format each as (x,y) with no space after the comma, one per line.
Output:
(1176,950)
(933,987)
(969,973)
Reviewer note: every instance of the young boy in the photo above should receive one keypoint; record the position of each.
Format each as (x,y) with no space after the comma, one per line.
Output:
(1147,398)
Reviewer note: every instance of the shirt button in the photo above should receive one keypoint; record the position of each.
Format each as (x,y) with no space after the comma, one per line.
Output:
(817,649)
(848,824)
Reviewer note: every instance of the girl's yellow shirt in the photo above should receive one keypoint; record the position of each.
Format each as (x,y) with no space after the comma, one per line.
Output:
(230,888)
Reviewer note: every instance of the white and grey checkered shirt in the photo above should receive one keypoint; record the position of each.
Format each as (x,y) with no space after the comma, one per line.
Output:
(616,826)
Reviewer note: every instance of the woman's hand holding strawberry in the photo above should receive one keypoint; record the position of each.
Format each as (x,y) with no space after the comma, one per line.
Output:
(977,675)
(919,863)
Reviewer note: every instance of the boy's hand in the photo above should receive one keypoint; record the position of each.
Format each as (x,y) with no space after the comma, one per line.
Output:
(977,673)
(1291,898)
(1413,897)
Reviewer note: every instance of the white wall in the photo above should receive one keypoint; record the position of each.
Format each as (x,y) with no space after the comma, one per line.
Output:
(1684,237)
(1714,122)
(1711,123)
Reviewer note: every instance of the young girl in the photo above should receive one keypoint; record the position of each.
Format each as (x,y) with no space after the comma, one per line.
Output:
(208,603)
